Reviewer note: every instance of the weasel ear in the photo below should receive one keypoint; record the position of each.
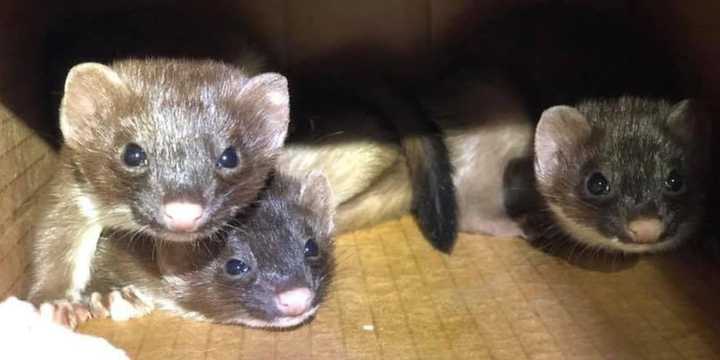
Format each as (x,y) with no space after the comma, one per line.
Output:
(91,91)
(560,130)
(685,120)
(316,194)
(266,99)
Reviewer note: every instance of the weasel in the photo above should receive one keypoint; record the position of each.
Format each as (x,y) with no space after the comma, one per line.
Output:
(487,110)
(622,175)
(172,149)
(507,172)
(645,154)
(270,268)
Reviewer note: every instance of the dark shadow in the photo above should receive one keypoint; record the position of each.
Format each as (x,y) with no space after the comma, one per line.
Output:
(21,74)
(558,52)
(162,29)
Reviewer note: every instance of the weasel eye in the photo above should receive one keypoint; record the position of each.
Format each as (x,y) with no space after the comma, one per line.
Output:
(674,182)
(597,184)
(311,249)
(134,155)
(236,267)
(228,159)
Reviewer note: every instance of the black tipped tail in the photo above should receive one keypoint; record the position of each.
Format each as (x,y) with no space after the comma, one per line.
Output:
(433,193)
(434,204)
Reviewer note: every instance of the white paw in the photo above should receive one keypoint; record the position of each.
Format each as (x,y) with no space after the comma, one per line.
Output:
(126,304)
(65,313)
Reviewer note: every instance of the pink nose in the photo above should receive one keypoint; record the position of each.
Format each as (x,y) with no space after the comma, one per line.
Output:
(294,302)
(646,230)
(182,216)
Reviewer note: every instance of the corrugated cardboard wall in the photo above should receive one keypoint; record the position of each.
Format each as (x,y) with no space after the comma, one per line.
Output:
(24,157)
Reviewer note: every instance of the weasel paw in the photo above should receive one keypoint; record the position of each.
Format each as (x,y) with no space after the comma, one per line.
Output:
(65,312)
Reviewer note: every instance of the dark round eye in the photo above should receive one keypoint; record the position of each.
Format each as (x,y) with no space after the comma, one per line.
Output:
(236,267)
(311,249)
(228,159)
(134,155)
(674,182)
(597,184)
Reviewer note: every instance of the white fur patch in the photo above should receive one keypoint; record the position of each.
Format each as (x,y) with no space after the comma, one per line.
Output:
(121,309)
(83,251)
(86,204)
(282,322)
(581,232)
(81,257)
(277,98)
(593,238)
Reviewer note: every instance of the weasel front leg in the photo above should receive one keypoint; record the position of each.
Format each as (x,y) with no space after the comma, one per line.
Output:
(62,249)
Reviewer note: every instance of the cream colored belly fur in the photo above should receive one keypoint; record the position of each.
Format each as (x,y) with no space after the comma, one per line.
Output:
(366,178)
(480,157)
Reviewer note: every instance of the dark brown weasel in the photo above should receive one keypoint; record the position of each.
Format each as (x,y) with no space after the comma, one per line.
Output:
(623,175)
(645,157)
(167,148)
(271,268)
(493,91)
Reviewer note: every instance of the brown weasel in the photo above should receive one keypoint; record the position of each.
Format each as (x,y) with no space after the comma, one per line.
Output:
(167,148)
(622,175)
(270,268)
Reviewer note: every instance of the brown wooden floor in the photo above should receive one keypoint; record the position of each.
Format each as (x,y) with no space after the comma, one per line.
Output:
(396,298)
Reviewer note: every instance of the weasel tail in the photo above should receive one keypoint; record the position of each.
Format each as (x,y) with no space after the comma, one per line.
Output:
(384,156)
(428,163)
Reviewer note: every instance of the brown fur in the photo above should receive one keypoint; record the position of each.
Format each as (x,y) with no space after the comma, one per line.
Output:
(635,144)
(191,280)
(179,110)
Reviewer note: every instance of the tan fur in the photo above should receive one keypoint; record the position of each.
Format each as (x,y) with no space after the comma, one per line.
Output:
(351,167)
(369,179)
(387,198)
(488,129)
(485,127)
